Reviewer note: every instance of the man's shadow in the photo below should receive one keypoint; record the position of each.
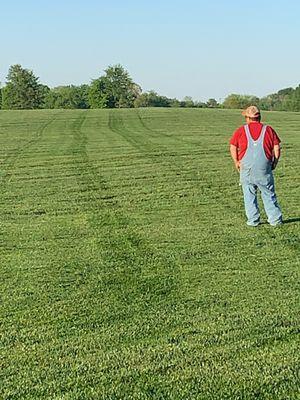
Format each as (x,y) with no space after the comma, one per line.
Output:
(291,220)
(285,221)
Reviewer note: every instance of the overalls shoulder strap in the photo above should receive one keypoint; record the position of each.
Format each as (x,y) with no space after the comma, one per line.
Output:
(261,135)
(248,134)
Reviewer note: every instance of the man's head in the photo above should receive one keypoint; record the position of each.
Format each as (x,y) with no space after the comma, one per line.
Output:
(252,113)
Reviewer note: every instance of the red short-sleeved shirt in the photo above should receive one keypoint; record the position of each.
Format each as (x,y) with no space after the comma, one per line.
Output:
(239,139)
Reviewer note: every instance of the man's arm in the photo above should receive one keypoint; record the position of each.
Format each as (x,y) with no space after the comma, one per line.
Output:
(234,155)
(276,156)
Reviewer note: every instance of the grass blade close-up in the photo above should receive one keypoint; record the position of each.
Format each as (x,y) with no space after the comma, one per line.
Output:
(127,267)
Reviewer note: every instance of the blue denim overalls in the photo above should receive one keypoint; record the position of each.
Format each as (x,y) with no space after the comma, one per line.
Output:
(256,173)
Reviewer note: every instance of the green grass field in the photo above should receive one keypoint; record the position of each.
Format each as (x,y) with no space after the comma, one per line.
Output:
(127,270)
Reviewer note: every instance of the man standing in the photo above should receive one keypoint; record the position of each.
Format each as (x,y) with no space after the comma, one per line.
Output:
(255,151)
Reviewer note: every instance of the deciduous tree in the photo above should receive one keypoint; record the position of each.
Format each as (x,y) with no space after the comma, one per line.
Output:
(115,89)
(22,90)
(68,97)
(239,101)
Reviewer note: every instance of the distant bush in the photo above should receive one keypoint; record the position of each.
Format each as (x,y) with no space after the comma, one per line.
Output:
(239,101)
(152,99)
(67,97)
(212,103)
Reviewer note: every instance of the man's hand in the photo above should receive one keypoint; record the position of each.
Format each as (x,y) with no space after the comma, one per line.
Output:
(274,163)
(237,165)
(234,155)
(276,156)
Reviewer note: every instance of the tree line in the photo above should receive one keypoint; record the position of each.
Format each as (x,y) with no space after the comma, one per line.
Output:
(116,89)
(284,100)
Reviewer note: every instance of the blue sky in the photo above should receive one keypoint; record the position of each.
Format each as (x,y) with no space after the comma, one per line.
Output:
(198,48)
